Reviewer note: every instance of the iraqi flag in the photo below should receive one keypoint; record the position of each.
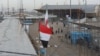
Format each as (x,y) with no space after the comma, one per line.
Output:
(45,31)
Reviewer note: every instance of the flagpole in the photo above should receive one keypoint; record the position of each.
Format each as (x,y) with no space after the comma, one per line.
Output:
(46,23)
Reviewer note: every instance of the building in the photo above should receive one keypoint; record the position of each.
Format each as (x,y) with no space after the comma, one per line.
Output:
(77,11)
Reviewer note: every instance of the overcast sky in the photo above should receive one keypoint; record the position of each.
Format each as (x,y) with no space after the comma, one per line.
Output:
(29,4)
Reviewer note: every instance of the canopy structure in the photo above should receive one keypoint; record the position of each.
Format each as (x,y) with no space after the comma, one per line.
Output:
(13,39)
(63,10)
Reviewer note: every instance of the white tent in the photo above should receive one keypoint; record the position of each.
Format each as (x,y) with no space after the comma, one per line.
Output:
(13,39)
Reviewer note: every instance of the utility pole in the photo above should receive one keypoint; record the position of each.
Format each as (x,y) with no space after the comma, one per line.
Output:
(21,7)
(21,12)
(98,9)
(13,10)
(80,48)
(8,6)
(34,4)
(70,9)
(85,8)
(2,10)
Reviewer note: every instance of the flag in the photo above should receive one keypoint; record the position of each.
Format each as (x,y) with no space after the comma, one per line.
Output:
(45,31)
(46,19)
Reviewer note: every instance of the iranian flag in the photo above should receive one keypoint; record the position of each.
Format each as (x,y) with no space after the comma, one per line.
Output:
(45,31)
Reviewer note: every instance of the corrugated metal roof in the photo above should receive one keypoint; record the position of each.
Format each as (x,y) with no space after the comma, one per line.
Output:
(87,8)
